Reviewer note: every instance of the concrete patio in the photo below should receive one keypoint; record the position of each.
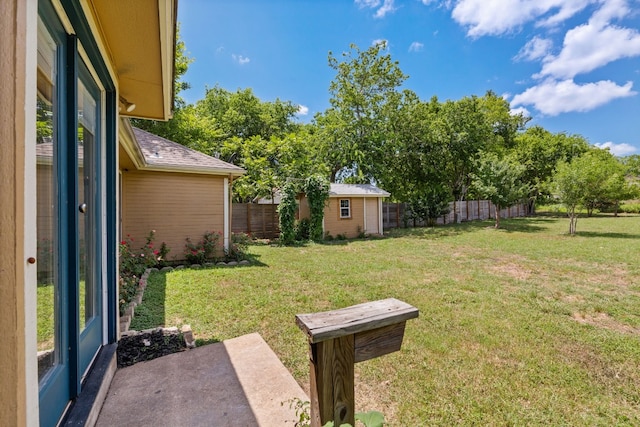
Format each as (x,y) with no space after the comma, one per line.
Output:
(238,382)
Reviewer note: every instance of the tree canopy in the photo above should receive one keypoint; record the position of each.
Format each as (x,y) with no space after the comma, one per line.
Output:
(376,130)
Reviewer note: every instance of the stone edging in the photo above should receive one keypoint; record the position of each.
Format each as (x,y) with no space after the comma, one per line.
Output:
(125,319)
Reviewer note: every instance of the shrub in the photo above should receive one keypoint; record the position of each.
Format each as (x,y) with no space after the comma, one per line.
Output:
(238,247)
(287,214)
(302,229)
(133,263)
(317,191)
(204,250)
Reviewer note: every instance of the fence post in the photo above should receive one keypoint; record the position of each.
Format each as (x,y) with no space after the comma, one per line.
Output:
(340,338)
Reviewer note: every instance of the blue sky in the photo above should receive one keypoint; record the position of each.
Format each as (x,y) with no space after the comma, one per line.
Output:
(572,65)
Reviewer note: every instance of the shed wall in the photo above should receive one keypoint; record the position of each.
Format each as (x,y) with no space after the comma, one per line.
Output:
(350,227)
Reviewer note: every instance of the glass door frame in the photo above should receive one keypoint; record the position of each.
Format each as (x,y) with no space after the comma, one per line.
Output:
(64,382)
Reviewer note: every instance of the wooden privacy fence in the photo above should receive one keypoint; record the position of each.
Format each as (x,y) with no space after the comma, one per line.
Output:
(261,220)
(468,210)
(257,220)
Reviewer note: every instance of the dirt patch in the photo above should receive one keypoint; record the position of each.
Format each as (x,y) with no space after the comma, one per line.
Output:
(603,320)
(511,269)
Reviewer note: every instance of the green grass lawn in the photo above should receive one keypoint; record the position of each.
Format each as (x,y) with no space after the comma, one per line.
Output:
(519,326)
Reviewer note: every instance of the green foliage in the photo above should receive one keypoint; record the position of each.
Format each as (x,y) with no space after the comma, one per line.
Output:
(303,229)
(204,250)
(428,205)
(316,188)
(287,214)
(133,263)
(594,180)
(303,413)
(363,93)
(540,151)
(499,181)
(238,246)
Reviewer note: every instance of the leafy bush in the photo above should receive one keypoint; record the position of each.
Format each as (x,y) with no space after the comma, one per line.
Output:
(317,190)
(204,250)
(287,214)
(631,208)
(133,263)
(238,247)
(302,229)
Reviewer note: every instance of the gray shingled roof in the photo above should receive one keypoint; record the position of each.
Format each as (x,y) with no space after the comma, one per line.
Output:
(164,154)
(356,190)
(338,190)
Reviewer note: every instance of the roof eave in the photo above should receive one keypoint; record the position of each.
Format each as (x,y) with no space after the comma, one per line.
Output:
(201,171)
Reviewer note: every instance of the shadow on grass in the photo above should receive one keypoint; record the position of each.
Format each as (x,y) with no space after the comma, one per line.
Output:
(607,235)
(150,314)
(520,225)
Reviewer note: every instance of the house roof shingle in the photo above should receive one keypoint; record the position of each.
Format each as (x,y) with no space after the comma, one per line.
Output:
(164,154)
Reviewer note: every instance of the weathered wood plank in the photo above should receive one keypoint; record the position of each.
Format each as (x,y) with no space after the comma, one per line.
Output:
(332,379)
(358,318)
(378,342)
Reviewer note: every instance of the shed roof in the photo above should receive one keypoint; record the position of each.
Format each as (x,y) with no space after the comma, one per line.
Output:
(161,153)
(356,190)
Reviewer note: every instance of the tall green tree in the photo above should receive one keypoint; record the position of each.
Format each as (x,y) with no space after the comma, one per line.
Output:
(568,182)
(499,181)
(588,181)
(539,151)
(363,92)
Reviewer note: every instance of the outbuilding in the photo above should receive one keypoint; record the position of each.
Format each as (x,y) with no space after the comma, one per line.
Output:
(352,210)
(176,191)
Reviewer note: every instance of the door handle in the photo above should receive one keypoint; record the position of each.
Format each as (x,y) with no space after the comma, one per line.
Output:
(83,208)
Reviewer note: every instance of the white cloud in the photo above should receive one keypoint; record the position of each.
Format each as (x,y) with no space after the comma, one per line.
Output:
(240,59)
(591,46)
(384,7)
(303,110)
(416,47)
(622,149)
(496,17)
(553,97)
(536,48)
(368,3)
(520,110)
(387,7)
(220,49)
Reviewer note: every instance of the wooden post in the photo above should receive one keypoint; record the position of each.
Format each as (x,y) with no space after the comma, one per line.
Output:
(340,338)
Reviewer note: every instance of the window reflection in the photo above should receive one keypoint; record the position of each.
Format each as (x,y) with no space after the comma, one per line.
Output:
(46,143)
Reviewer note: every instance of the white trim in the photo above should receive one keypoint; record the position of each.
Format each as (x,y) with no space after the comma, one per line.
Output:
(347,207)
(226,215)
(30,203)
(380,217)
(364,209)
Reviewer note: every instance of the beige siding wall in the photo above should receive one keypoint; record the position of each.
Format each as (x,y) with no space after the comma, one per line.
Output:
(18,370)
(335,225)
(175,205)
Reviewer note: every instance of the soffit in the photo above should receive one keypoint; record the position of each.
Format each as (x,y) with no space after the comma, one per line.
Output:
(140,39)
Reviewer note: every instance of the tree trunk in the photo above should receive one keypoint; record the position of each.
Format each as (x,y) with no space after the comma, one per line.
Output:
(497,216)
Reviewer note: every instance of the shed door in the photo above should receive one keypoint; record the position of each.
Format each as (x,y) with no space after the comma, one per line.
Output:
(371,220)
